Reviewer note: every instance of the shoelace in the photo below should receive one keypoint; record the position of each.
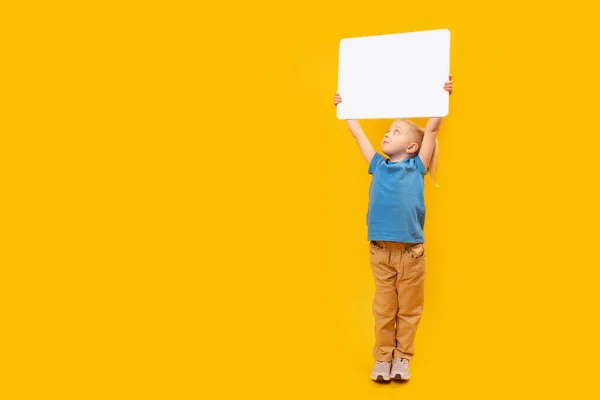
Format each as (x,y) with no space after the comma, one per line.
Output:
(383,363)
(400,361)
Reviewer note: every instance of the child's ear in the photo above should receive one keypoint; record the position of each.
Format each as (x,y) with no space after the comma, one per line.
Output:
(412,148)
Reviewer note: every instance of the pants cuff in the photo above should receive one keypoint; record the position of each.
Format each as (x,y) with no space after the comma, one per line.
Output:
(399,354)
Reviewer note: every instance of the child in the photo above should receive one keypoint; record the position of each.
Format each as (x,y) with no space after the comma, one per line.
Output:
(395,221)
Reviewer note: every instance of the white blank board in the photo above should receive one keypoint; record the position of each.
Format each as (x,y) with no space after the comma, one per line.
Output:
(394,76)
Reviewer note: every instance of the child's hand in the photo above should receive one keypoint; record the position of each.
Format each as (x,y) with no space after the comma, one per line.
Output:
(337,99)
(448,85)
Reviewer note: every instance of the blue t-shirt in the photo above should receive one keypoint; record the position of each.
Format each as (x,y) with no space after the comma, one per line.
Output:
(396,203)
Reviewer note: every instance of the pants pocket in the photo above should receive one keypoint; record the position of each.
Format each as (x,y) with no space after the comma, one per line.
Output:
(417,251)
(375,246)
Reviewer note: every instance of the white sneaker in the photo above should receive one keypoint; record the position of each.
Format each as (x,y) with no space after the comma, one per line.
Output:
(381,371)
(401,370)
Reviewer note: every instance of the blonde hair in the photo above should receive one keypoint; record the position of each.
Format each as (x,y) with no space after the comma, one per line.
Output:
(419,133)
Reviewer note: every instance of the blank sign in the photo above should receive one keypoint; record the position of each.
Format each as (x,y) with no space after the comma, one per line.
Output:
(394,76)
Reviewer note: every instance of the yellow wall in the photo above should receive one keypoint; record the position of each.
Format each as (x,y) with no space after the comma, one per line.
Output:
(184,216)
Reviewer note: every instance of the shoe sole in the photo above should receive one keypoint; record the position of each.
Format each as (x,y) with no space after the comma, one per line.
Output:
(399,377)
(380,378)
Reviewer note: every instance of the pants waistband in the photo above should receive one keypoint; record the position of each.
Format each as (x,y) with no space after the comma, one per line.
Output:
(392,245)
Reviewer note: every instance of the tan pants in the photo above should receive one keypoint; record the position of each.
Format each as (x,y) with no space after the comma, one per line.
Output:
(399,272)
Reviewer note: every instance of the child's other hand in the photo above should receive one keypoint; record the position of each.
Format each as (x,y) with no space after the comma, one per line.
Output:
(337,99)
(448,85)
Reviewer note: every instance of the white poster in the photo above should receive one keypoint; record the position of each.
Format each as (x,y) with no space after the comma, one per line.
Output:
(394,76)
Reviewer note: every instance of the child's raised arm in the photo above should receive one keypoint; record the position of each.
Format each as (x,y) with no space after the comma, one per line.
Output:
(365,146)
(431,130)
(428,144)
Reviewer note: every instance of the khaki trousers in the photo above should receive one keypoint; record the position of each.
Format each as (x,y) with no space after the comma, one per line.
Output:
(399,273)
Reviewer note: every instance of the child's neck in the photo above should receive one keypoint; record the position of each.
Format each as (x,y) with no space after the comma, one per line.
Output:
(399,157)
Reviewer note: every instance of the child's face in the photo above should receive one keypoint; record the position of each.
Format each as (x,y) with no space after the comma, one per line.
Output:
(398,140)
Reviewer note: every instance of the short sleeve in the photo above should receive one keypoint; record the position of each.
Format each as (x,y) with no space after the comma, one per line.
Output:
(375,161)
(420,166)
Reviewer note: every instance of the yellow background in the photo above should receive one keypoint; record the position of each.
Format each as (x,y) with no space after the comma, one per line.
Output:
(183,215)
